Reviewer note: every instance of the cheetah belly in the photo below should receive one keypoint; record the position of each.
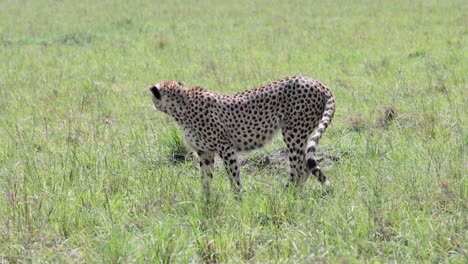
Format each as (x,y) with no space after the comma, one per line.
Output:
(252,135)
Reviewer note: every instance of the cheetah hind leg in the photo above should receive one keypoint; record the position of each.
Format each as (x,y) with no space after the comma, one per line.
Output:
(296,175)
(296,157)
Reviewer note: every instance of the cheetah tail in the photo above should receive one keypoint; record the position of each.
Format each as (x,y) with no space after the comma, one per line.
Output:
(327,117)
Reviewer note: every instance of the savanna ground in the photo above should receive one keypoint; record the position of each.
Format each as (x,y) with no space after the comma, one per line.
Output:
(87,173)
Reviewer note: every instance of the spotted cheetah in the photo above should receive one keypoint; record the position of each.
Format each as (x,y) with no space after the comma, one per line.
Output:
(228,124)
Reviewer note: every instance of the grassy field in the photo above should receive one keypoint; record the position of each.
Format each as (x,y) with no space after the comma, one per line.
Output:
(86,174)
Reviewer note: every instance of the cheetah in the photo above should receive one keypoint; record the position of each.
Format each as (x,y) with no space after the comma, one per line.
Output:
(228,124)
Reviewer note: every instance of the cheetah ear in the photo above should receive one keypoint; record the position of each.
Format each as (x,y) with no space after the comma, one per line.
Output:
(154,90)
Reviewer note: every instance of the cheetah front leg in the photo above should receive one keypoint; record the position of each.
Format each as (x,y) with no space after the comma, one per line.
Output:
(206,169)
(232,168)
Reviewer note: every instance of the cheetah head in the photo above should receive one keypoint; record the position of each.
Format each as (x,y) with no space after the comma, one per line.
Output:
(166,95)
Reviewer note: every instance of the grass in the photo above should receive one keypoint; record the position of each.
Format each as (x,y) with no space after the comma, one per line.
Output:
(84,173)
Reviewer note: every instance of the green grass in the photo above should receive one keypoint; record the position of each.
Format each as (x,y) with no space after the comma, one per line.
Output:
(84,171)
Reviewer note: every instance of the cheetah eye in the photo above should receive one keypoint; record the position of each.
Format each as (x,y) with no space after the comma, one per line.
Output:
(155,92)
